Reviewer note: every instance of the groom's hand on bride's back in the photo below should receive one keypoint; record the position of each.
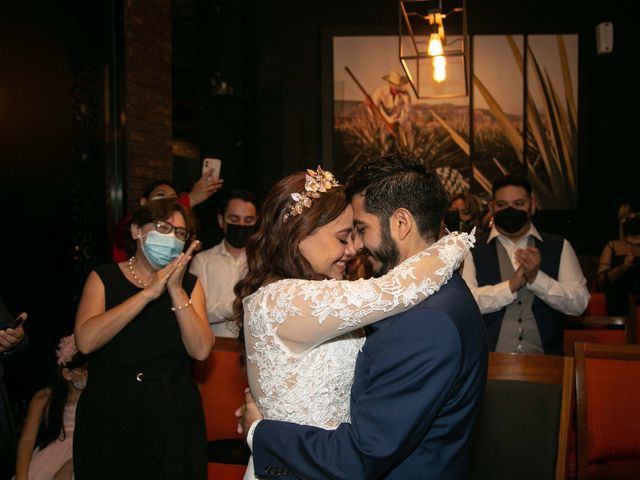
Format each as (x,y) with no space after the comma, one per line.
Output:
(247,413)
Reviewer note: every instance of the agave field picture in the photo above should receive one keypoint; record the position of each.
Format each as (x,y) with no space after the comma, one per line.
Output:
(533,133)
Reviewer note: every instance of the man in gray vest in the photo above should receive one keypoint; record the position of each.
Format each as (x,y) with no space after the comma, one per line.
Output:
(523,280)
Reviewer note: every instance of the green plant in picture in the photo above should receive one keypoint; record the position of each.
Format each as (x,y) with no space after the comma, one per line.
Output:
(552,144)
(364,138)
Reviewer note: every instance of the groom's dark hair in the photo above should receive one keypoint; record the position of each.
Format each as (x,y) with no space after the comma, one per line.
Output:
(401,181)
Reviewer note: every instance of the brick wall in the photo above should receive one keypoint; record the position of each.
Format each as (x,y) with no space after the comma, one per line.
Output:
(148,100)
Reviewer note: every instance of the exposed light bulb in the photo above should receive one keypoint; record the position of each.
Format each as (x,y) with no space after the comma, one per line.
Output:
(435,45)
(439,68)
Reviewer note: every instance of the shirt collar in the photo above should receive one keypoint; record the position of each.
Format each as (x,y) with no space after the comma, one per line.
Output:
(225,252)
(531,231)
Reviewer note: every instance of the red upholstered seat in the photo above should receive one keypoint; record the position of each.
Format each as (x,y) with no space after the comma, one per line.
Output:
(613,416)
(596,329)
(222,382)
(593,336)
(597,304)
(608,396)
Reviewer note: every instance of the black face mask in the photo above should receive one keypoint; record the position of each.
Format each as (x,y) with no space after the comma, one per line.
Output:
(510,219)
(237,235)
(631,227)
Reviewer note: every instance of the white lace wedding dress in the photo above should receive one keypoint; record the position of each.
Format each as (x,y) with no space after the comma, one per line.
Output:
(302,337)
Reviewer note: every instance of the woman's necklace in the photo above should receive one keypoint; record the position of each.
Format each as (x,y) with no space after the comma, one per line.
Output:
(133,274)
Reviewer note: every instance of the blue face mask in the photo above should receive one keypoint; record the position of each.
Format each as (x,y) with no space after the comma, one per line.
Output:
(161,248)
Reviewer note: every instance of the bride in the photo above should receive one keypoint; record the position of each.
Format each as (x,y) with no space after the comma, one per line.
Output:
(302,321)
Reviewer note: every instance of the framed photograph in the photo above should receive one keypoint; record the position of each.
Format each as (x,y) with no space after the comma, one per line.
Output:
(369,109)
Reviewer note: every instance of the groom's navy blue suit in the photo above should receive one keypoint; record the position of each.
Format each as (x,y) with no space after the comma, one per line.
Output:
(418,384)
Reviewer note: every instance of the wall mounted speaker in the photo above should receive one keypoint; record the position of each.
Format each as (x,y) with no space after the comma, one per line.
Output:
(604,38)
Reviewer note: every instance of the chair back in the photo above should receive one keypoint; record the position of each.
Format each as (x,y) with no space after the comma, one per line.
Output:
(608,420)
(221,381)
(523,426)
(596,329)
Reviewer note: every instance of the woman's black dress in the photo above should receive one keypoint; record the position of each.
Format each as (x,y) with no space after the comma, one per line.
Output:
(140,415)
(618,292)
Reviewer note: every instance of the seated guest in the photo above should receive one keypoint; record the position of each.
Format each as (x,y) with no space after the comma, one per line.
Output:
(523,280)
(619,267)
(219,268)
(51,419)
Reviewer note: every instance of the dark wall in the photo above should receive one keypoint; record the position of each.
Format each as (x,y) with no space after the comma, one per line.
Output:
(36,180)
(289,89)
(52,170)
(214,109)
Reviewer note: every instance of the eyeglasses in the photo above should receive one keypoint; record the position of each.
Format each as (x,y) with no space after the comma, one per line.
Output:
(166,227)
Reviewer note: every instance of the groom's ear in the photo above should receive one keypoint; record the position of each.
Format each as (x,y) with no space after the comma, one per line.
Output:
(402,223)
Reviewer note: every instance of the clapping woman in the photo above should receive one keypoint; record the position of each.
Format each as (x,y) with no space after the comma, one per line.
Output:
(141,322)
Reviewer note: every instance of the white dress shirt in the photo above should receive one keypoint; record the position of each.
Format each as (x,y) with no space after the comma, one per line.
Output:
(568,294)
(218,272)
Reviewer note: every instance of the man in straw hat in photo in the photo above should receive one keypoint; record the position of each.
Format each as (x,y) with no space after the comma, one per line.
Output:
(393,101)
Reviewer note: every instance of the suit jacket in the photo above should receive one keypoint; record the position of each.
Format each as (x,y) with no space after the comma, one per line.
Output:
(418,383)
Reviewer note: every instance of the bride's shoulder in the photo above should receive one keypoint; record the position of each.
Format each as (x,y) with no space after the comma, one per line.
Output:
(280,286)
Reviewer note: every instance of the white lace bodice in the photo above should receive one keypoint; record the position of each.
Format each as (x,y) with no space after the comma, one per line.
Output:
(302,337)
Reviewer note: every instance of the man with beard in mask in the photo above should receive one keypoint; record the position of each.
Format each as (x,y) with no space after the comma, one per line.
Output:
(420,375)
(523,280)
(219,268)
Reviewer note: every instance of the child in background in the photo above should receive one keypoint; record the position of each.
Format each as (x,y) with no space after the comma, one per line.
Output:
(51,419)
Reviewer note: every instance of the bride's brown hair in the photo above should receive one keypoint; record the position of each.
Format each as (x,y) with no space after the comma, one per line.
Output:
(272,251)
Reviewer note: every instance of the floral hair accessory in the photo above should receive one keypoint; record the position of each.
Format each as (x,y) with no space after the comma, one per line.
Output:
(317,182)
(66,349)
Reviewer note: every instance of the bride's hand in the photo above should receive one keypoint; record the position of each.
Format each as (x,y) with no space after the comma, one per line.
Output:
(247,414)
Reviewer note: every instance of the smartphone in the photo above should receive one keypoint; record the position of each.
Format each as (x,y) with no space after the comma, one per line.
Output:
(15,323)
(211,167)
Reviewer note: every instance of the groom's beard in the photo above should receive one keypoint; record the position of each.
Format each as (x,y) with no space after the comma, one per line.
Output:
(386,256)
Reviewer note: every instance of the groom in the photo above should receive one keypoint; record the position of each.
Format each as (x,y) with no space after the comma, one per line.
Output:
(421,374)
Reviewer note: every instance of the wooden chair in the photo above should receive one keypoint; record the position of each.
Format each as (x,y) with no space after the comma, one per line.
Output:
(523,426)
(222,381)
(597,329)
(608,406)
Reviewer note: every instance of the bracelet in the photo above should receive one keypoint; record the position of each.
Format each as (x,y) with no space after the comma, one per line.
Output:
(180,307)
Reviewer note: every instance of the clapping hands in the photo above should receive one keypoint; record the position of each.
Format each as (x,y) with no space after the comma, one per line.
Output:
(171,276)
(529,259)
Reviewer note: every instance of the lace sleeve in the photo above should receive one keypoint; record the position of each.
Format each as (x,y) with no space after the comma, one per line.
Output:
(311,312)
